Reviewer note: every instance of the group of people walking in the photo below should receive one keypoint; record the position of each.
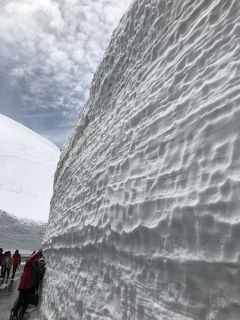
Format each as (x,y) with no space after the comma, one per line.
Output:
(30,280)
(30,284)
(8,262)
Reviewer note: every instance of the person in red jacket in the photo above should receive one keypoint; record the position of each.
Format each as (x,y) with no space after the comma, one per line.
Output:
(26,287)
(16,262)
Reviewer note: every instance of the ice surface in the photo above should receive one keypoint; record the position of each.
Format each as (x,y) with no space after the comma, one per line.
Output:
(27,165)
(144,221)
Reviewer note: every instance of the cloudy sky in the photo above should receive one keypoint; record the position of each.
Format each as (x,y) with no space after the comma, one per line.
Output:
(49,51)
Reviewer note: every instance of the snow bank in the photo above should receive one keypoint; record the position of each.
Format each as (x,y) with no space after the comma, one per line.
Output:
(27,165)
(25,235)
(144,220)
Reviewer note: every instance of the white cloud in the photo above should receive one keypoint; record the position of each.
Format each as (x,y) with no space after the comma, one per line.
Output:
(50,49)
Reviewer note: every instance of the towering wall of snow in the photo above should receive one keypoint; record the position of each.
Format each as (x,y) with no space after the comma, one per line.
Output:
(145,220)
(27,165)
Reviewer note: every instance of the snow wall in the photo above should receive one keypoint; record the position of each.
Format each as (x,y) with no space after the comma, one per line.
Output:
(145,219)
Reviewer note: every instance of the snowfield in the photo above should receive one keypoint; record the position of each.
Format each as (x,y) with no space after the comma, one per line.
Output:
(25,235)
(145,221)
(27,165)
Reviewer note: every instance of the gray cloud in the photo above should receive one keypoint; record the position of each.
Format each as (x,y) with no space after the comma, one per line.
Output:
(49,51)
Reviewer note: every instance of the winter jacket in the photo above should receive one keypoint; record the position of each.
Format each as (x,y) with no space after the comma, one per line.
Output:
(26,277)
(16,259)
(8,262)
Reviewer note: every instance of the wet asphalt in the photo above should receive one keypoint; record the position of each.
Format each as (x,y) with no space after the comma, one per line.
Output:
(8,294)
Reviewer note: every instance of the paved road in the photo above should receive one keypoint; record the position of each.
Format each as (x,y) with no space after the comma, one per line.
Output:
(8,294)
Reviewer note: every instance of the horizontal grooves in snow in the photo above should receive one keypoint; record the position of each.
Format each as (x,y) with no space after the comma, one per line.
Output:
(144,220)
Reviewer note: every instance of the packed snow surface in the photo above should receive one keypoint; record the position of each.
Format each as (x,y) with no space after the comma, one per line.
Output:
(27,165)
(144,220)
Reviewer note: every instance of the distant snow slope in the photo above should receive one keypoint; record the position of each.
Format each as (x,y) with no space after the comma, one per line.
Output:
(25,235)
(145,217)
(27,166)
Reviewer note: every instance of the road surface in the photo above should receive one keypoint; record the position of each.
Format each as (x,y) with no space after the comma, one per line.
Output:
(8,294)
